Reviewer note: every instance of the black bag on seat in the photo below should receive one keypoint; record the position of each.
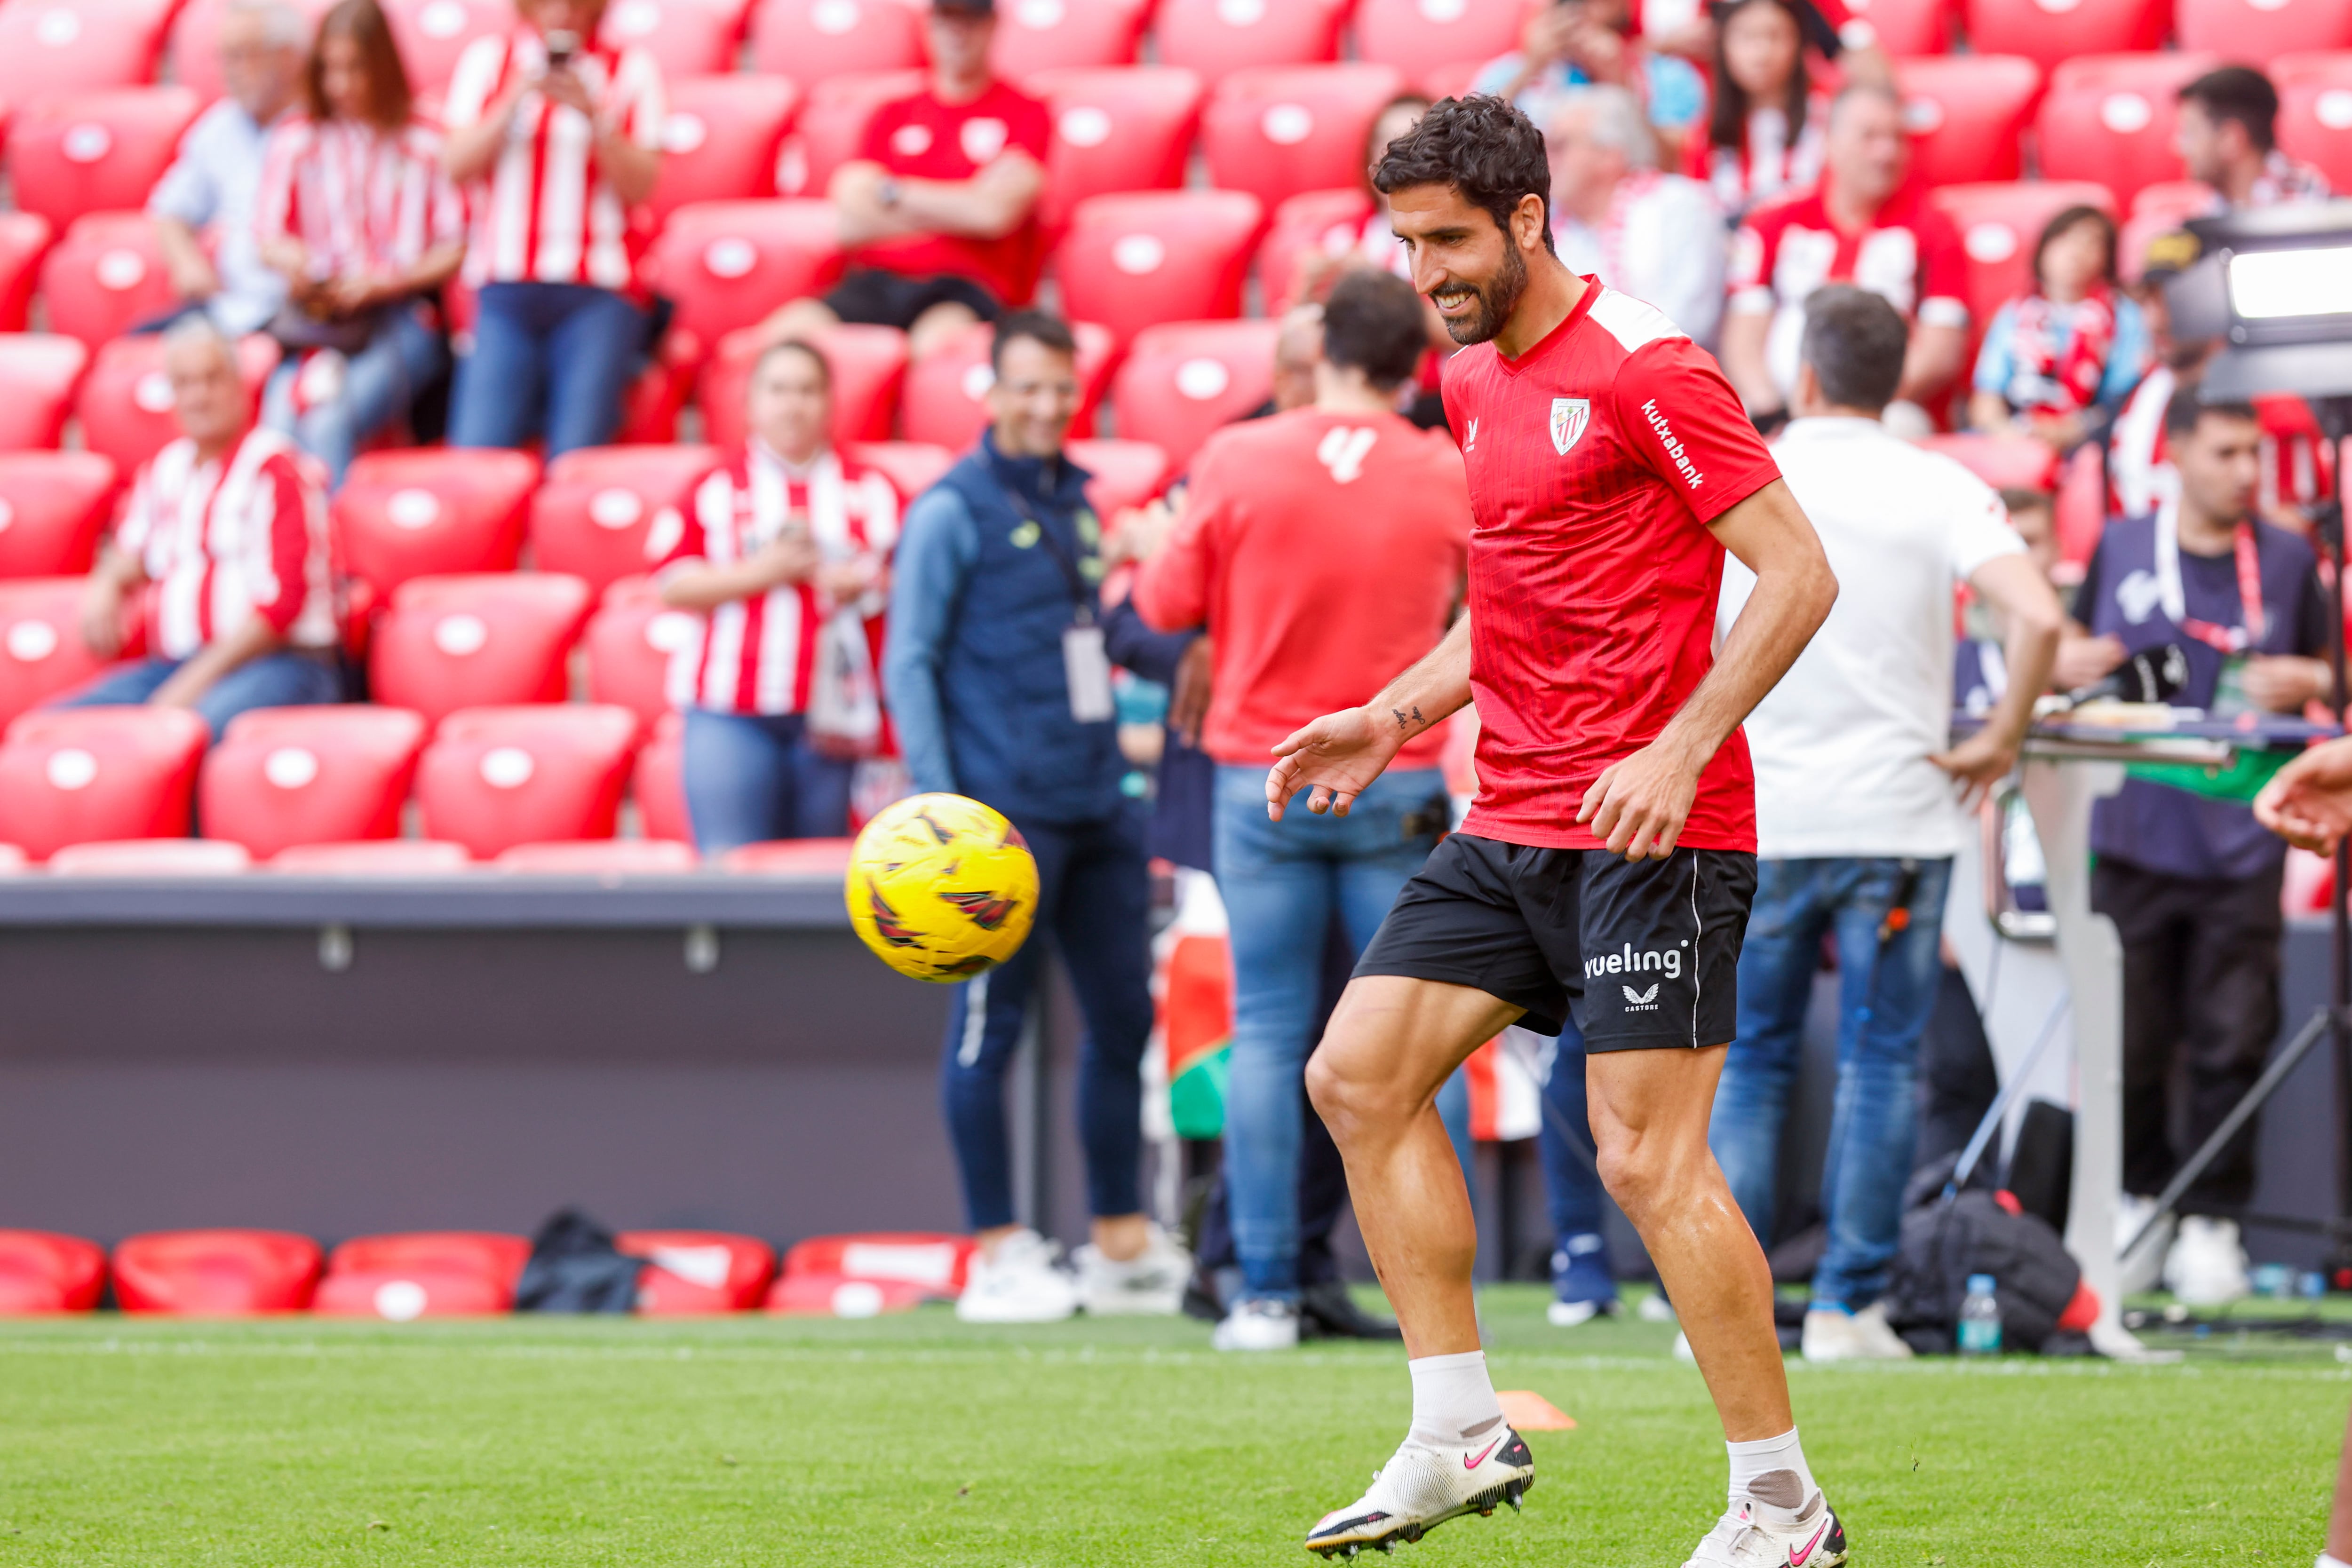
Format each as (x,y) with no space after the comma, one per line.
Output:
(575,1267)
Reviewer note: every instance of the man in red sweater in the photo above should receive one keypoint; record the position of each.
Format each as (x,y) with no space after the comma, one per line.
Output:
(1321,546)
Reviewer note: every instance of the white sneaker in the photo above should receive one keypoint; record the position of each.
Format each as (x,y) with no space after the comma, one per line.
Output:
(2144,1269)
(1683,1352)
(2207,1266)
(1569,1314)
(1258,1324)
(1655,1309)
(1149,1284)
(1833,1335)
(1755,1534)
(1422,1486)
(1020,1284)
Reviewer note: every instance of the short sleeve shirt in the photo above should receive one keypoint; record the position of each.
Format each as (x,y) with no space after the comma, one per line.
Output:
(924,138)
(1596,462)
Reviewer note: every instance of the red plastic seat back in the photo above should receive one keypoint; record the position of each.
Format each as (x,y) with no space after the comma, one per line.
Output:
(196,41)
(1218,37)
(1126,473)
(945,400)
(593,515)
(2257,32)
(696,1272)
(1966,114)
(53,507)
(810,40)
(1181,382)
(75,152)
(835,111)
(631,640)
(488,1253)
(1415,35)
(1034,36)
(433,34)
(832,1296)
(309,776)
(39,372)
(71,776)
(403,1295)
(721,139)
(1133,261)
(2315,120)
(686,37)
(42,654)
(730,264)
(1999,225)
(1900,28)
(2049,32)
(23,238)
(1126,129)
(657,783)
(1316,224)
(1276,131)
(430,511)
(492,637)
(869,363)
(2110,117)
(125,401)
(78,45)
(215,1273)
(498,777)
(911,467)
(41,1272)
(936,1261)
(106,276)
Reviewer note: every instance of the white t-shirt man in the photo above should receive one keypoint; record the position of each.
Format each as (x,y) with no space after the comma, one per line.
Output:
(1841,745)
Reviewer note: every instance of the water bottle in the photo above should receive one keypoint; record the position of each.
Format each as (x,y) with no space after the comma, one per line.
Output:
(1979,1318)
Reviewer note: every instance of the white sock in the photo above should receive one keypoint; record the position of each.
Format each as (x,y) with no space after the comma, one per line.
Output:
(1761,1457)
(1453,1400)
(2327,1561)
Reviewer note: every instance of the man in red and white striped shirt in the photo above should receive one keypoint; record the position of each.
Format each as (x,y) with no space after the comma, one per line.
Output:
(226,528)
(558,139)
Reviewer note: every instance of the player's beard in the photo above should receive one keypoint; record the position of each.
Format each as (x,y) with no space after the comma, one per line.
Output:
(1498,298)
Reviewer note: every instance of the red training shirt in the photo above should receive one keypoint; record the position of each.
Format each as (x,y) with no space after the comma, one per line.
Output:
(1323,552)
(925,139)
(1596,461)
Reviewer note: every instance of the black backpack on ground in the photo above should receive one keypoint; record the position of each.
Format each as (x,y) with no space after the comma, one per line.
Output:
(1945,1240)
(575,1267)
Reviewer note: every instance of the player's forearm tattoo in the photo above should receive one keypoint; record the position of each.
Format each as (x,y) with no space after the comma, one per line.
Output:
(1408,720)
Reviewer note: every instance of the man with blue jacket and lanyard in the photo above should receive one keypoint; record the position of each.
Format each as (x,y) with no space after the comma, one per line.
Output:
(999,683)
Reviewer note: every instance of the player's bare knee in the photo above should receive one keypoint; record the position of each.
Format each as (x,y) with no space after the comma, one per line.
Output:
(1636,1170)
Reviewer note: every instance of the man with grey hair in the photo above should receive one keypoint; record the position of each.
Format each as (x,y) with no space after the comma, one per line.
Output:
(213,183)
(1656,236)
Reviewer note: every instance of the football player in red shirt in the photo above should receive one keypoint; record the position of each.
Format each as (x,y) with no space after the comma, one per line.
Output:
(1608,861)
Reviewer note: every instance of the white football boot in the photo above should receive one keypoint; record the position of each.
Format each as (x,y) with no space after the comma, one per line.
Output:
(1422,1486)
(1149,1284)
(1758,1534)
(1833,1335)
(1020,1284)
(1258,1324)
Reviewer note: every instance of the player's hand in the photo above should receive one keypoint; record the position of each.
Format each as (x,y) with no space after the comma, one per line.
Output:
(1337,756)
(1637,807)
(1976,764)
(2309,801)
(1188,699)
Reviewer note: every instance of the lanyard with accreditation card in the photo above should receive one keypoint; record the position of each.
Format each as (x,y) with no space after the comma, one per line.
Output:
(1086,660)
(2231,642)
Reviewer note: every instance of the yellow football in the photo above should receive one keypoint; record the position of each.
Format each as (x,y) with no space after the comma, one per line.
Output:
(941,887)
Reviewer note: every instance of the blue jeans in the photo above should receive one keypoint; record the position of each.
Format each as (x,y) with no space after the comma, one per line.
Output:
(274,680)
(1573,1196)
(1885,992)
(1094,900)
(379,383)
(1283,884)
(753,778)
(549,358)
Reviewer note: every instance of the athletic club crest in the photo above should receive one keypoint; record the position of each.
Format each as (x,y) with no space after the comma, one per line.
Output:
(1569,416)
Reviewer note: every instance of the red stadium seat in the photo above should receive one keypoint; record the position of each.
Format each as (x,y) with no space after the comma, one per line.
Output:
(869,363)
(431,511)
(24,239)
(630,640)
(2052,32)
(593,515)
(1999,225)
(730,264)
(697,1272)
(686,37)
(1413,35)
(487,1253)
(13,861)
(1966,113)
(474,641)
(838,1296)
(106,276)
(373,857)
(1217,37)
(80,153)
(911,467)
(933,1261)
(1128,129)
(944,401)
(1133,261)
(721,139)
(1275,133)
(53,507)
(1034,36)
(1317,223)
(42,1272)
(78,45)
(42,654)
(2004,462)
(498,777)
(125,403)
(831,125)
(825,858)
(1900,28)
(147,858)
(403,1295)
(39,372)
(809,40)
(195,42)
(2109,118)
(2156,210)
(2315,120)
(2256,32)
(657,785)
(600,857)
(1181,382)
(327,774)
(215,1273)
(75,776)
(432,34)
(1127,473)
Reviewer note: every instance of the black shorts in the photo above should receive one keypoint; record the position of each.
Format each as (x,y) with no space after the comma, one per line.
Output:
(872,298)
(1646,954)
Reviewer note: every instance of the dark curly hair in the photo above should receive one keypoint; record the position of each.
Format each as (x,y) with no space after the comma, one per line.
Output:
(1479,145)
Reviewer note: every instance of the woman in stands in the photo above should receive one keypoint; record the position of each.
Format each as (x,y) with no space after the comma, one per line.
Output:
(1766,123)
(786,551)
(356,212)
(2060,360)
(557,137)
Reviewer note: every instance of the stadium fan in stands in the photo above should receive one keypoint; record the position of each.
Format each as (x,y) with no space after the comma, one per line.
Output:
(226,527)
(2057,363)
(2193,883)
(1616,217)
(786,550)
(1375,242)
(1856,823)
(557,137)
(2227,137)
(1767,125)
(939,210)
(1867,225)
(213,186)
(1572,43)
(358,215)
(1000,687)
(1291,521)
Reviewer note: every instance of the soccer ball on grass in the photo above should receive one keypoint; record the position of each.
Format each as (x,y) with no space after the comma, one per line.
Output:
(941,887)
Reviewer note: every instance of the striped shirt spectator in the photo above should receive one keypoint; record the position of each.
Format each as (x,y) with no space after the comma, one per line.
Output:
(359,199)
(243,534)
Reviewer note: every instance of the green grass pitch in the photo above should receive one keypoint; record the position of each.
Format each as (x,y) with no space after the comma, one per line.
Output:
(916,1440)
